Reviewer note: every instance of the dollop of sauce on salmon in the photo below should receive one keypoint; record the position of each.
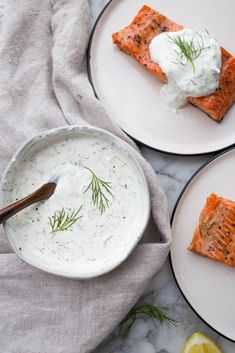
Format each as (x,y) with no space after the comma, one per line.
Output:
(191,61)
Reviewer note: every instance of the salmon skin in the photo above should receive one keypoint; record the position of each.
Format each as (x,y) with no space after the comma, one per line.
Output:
(134,40)
(215,235)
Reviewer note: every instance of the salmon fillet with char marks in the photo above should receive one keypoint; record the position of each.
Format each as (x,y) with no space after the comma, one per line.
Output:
(134,40)
(215,235)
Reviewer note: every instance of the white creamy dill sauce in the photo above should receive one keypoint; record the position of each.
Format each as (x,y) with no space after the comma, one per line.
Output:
(186,79)
(95,243)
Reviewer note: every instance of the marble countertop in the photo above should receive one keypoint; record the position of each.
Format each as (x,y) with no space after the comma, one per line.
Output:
(173,172)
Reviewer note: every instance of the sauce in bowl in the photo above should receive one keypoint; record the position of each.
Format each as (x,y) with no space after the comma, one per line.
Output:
(99,239)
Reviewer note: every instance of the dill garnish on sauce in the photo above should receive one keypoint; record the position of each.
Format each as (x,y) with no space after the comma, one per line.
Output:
(188,49)
(62,220)
(101,192)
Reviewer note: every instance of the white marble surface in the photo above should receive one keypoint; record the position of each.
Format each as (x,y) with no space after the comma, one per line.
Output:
(173,172)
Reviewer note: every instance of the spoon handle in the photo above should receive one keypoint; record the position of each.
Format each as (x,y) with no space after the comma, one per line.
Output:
(43,193)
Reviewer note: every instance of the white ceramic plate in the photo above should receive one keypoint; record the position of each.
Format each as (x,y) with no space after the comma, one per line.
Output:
(207,285)
(97,252)
(131,94)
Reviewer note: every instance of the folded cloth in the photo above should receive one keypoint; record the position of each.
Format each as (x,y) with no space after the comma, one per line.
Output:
(43,85)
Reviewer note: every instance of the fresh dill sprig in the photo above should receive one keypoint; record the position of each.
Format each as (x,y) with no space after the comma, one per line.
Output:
(190,50)
(155,313)
(99,188)
(62,220)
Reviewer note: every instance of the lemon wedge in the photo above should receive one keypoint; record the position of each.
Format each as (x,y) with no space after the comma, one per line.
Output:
(200,343)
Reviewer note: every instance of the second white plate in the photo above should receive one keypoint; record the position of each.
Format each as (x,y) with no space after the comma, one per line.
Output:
(131,94)
(208,286)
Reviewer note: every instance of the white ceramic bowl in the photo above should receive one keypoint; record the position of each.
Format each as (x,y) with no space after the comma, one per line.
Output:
(16,228)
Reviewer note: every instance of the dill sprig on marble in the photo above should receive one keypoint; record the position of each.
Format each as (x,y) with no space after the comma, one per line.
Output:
(153,312)
(101,192)
(63,220)
(190,50)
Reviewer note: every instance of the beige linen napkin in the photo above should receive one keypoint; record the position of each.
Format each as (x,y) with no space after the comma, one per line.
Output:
(43,85)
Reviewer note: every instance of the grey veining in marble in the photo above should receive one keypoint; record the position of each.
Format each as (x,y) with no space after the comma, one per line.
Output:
(173,172)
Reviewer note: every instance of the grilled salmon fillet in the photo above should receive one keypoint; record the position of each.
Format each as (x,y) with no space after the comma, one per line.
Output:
(215,235)
(134,40)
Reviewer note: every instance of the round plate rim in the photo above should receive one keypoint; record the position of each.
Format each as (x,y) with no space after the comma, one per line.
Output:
(171,221)
(88,58)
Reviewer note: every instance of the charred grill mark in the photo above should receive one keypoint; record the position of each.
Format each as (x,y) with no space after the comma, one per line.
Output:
(163,29)
(137,39)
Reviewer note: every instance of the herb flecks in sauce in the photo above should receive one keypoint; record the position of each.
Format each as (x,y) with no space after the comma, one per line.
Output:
(62,220)
(99,188)
(188,49)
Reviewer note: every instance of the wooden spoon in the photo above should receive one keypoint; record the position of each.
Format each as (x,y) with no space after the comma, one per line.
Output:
(43,193)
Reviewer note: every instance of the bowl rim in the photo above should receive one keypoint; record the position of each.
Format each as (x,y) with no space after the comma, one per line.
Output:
(76,129)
